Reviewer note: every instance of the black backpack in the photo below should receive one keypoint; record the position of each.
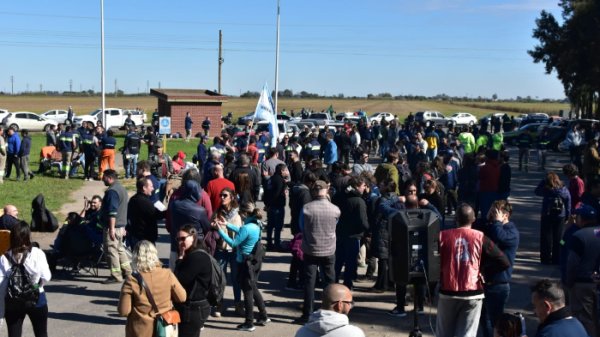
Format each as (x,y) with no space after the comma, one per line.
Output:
(218,282)
(21,293)
(42,220)
(555,206)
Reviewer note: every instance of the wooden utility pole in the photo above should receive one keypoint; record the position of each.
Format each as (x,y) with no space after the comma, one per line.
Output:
(221,60)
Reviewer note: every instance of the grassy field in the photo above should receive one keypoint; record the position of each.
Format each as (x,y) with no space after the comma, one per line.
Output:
(240,106)
(20,193)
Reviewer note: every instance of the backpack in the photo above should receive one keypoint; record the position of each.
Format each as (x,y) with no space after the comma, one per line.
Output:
(21,292)
(216,288)
(555,206)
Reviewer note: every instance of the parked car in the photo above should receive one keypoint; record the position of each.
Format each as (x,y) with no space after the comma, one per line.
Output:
(27,120)
(246,118)
(535,118)
(115,118)
(56,115)
(462,118)
(136,115)
(379,116)
(263,126)
(488,118)
(3,113)
(431,118)
(557,131)
(511,137)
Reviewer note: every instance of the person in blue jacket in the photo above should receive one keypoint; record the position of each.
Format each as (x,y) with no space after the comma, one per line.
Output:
(246,241)
(188,126)
(331,153)
(503,232)
(13,142)
(548,299)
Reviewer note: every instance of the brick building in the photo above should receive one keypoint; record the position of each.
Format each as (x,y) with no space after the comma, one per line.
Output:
(200,103)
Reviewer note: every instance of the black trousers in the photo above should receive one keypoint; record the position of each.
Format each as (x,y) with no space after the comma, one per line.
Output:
(248,277)
(10,161)
(311,265)
(38,317)
(296,275)
(401,296)
(383,279)
(192,319)
(551,230)
(88,170)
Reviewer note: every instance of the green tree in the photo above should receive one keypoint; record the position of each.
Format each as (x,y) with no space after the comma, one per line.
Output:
(572,50)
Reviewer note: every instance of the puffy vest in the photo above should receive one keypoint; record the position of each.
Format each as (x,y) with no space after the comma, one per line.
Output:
(468,141)
(133,143)
(66,141)
(497,140)
(460,251)
(121,218)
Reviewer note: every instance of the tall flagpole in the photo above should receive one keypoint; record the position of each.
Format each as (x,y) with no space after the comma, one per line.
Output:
(104,120)
(277,61)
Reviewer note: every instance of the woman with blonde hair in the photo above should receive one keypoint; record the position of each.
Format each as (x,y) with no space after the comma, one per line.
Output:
(161,283)
(556,207)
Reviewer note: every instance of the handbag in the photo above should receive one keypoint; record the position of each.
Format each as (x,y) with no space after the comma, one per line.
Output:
(165,324)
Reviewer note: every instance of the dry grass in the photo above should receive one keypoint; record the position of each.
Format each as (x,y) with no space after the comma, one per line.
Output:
(240,106)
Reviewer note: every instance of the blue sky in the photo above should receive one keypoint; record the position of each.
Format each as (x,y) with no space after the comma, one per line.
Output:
(424,47)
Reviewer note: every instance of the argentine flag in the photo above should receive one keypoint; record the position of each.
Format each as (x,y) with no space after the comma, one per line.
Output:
(265,111)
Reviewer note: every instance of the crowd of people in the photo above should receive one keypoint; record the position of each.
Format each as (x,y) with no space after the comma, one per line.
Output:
(340,196)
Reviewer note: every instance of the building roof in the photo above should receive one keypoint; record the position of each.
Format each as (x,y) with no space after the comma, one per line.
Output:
(188,95)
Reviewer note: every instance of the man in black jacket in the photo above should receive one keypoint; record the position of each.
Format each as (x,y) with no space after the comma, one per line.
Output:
(142,216)
(243,167)
(300,196)
(353,223)
(275,200)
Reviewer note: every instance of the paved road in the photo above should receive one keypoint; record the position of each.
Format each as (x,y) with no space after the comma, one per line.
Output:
(82,306)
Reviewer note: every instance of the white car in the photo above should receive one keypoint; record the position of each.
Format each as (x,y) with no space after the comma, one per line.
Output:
(27,120)
(136,115)
(3,113)
(56,115)
(463,118)
(379,116)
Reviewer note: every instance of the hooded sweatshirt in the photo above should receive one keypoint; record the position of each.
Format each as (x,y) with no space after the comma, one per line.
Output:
(186,211)
(329,323)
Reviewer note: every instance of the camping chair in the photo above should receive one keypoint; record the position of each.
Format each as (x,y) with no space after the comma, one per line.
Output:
(4,240)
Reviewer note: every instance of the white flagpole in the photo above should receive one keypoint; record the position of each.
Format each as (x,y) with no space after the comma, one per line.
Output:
(277,62)
(104,121)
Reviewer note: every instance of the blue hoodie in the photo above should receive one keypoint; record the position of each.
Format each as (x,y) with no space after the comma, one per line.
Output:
(185,211)
(14,144)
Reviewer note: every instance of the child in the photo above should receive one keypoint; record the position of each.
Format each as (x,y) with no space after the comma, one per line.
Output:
(296,275)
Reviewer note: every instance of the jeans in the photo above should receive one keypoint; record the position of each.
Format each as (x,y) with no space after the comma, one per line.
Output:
(247,279)
(275,216)
(37,315)
(346,253)
(524,159)
(496,296)
(162,189)
(130,165)
(542,159)
(486,199)
(228,258)
(431,154)
(458,317)
(311,264)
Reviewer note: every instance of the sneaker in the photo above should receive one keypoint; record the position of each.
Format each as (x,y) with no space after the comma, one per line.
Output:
(397,312)
(263,321)
(246,327)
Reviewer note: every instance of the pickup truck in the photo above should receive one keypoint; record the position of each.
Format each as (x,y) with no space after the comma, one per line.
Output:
(321,119)
(115,118)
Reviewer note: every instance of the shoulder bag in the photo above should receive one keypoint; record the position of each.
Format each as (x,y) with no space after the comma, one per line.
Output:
(165,324)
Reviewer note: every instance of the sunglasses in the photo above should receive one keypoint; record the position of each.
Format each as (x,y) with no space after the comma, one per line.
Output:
(224,195)
(182,238)
(350,303)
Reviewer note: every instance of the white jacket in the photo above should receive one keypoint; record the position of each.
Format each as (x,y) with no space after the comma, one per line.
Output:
(329,323)
(35,264)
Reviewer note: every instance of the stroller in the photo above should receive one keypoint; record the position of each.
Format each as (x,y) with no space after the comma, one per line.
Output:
(78,247)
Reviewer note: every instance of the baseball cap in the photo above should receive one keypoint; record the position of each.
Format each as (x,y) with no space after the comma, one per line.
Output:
(586,212)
